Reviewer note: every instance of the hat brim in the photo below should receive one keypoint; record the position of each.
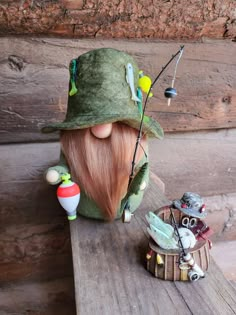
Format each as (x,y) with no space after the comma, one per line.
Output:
(150,126)
(189,211)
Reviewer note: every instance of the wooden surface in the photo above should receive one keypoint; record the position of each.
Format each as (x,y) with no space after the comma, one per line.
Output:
(34,231)
(110,277)
(204,162)
(34,80)
(50,297)
(225,262)
(96,18)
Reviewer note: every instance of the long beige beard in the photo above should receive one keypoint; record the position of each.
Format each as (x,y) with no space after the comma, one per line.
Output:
(102,166)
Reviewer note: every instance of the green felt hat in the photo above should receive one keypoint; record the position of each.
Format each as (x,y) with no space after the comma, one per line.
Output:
(100,93)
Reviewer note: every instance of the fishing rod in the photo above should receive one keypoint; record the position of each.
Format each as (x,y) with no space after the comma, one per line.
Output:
(183,252)
(186,258)
(179,52)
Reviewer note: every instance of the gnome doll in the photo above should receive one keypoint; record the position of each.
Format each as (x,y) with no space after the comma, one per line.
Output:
(99,134)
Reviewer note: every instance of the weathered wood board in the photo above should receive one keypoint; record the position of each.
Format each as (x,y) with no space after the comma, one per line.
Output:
(226,262)
(34,81)
(34,232)
(110,277)
(38,298)
(158,19)
(204,162)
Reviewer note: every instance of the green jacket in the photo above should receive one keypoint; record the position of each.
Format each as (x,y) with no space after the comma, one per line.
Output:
(132,199)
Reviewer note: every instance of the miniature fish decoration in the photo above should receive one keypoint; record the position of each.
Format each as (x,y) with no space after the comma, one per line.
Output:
(163,240)
(139,103)
(73,72)
(130,81)
(154,220)
(164,235)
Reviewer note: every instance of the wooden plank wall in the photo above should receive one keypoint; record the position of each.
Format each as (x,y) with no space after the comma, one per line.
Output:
(34,234)
(34,81)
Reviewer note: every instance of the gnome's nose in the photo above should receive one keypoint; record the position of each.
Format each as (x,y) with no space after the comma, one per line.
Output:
(102,131)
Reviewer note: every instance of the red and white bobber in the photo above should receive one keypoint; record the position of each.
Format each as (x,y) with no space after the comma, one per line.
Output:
(68,194)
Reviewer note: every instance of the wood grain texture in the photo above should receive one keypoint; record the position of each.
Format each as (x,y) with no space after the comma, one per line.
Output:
(110,277)
(25,197)
(34,233)
(204,162)
(48,297)
(34,80)
(119,19)
(225,261)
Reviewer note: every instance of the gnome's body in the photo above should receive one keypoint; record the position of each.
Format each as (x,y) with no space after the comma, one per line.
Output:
(99,135)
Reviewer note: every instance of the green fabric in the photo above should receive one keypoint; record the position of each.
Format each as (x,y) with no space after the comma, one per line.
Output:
(88,208)
(102,94)
(61,168)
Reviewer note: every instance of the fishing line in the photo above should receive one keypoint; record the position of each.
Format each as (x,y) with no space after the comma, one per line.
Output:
(149,128)
(143,149)
(175,71)
(174,76)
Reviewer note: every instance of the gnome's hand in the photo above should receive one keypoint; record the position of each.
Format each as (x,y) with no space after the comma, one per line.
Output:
(53,174)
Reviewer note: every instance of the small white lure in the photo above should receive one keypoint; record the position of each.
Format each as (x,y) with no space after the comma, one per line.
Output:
(130,81)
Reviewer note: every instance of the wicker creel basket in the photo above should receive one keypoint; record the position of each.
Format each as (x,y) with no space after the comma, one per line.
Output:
(164,264)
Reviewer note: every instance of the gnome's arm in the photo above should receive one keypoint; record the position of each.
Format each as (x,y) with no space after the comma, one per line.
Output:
(53,174)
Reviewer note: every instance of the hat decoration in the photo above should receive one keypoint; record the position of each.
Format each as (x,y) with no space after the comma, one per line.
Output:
(145,83)
(73,74)
(130,81)
(191,204)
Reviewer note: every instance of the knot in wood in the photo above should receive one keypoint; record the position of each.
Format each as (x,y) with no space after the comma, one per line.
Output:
(16,63)
(227,99)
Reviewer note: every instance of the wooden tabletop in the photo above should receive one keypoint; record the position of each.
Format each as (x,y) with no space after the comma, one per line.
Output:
(110,275)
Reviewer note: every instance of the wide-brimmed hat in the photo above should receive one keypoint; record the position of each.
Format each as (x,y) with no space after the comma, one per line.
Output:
(101,92)
(191,204)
